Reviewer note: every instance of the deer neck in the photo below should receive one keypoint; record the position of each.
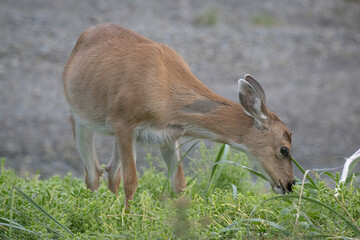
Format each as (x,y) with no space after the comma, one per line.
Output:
(217,119)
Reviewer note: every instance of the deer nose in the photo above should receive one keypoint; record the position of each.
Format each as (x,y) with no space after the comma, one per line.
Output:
(289,185)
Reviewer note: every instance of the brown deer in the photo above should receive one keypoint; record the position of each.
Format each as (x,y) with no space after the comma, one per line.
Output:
(120,83)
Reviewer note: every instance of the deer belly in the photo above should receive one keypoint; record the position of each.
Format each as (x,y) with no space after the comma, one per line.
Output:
(102,127)
(157,136)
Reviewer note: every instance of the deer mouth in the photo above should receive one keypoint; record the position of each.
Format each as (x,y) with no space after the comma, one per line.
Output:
(279,189)
(276,187)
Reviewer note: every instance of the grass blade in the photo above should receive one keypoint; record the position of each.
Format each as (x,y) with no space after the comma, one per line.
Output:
(17,227)
(11,211)
(303,172)
(174,168)
(42,210)
(28,217)
(191,139)
(191,180)
(349,178)
(259,220)
(2,166)
(329,174)
(247,168)
(320,236)
(215,165)
(234,191)
(355,228)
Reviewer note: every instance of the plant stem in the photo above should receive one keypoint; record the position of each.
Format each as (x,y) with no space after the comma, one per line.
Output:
(11,210)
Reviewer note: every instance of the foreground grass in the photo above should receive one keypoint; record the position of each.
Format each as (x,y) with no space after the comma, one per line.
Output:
(232,206)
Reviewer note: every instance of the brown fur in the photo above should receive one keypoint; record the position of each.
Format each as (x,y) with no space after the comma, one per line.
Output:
(119,80)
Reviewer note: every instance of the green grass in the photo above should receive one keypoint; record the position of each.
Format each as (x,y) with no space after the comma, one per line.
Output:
(264,19)
(222,201)
(209,17)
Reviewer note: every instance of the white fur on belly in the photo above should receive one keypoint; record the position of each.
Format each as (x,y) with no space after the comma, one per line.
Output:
(144,134)
(157,136)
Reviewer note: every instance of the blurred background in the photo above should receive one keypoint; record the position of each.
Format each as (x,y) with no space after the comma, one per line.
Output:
(306,55)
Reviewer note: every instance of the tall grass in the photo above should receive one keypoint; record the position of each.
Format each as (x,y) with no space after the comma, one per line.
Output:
(221,201)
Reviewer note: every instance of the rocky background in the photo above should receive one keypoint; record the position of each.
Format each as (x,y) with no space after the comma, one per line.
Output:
(306,54)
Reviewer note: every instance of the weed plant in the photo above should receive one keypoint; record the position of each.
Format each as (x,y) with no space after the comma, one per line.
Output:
(264,19)
(223,200)
(210,17)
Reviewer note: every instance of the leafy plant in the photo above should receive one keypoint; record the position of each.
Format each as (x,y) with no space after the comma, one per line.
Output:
(225,198)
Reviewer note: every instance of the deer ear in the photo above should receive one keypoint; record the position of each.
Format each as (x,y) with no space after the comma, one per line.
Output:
(256,86)
(252,98)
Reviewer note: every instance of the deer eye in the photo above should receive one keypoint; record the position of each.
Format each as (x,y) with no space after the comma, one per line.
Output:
(284,151)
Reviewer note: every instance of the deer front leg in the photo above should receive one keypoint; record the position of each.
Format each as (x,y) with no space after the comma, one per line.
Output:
(170,154)
(114,170)
(84,142)
(124,138)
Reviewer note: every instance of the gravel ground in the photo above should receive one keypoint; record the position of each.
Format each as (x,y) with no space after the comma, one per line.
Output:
(305,53)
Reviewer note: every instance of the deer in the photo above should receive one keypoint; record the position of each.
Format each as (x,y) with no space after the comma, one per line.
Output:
(122,84)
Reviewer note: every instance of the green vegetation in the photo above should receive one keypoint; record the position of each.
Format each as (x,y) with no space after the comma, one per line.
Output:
(264,19)
(222,200)
(210,17)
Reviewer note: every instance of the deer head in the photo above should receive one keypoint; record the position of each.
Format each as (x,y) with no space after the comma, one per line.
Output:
(269,140)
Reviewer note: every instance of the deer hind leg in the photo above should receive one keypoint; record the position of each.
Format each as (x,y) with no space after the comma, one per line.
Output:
(114,170)
(170,153)
(84,141)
